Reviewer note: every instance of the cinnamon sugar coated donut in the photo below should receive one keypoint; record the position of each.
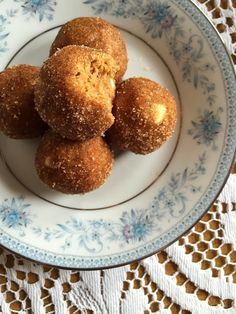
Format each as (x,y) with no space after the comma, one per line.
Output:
(75,92)
(145,116)
(96,33)
(18,117)
(73,167)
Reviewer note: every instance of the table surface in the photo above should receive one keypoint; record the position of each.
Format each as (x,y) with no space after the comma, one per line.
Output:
(197,274)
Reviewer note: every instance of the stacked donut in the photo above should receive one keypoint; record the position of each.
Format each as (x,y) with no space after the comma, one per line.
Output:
(77,99)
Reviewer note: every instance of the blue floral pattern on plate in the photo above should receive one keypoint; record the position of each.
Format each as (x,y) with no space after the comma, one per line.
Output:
(135,225)
(160,21)
(187,49)
(5,20)
(172,200)
(15,214)
(30,8)
(207,128)
(3,33)
(41,8)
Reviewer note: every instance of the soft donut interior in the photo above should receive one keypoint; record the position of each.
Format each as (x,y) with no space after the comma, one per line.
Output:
(96,79)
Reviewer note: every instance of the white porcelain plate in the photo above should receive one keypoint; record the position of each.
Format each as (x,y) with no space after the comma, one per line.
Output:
(149,201)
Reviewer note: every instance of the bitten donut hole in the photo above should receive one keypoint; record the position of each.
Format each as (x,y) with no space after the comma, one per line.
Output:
(96,79)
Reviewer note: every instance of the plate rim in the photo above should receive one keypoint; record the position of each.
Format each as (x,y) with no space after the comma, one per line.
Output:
(125,263)
(229,165)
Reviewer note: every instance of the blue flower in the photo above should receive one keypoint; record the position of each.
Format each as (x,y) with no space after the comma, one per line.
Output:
(168,22)
(195,189)
(187,48)
(44,8)
(158,18)
(206,129)
(136,225)
(166,200)
(169,203)
(158,11)
(208,66)
(120,11)
(95,236)
(139,230)
(13,213)
(161,195)
(12,218)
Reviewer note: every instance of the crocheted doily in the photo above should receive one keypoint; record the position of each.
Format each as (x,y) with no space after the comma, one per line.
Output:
(197,274)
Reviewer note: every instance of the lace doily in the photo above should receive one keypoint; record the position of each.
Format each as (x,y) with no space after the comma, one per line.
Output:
(197,274)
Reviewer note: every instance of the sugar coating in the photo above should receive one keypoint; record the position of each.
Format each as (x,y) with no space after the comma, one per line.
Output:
(75,91)
(97,33)
(18,117)
(73,167)
(145,116)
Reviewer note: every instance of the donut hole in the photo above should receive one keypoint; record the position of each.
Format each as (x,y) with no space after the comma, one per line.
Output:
(73,167)
(18,118)
(96,33)
(96,79)
(75,91)
(145,116)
